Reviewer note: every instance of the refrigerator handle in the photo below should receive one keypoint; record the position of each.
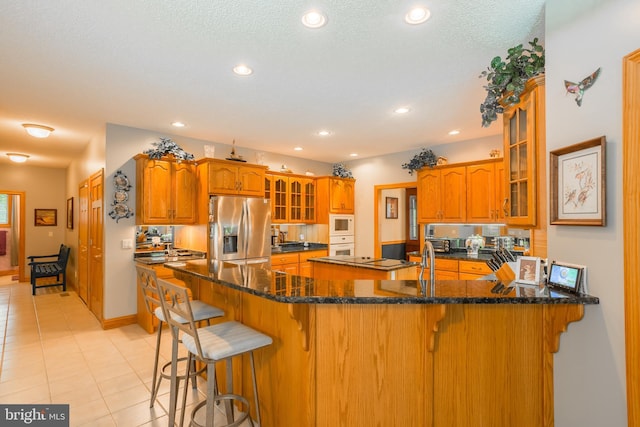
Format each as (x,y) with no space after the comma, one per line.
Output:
(245,227)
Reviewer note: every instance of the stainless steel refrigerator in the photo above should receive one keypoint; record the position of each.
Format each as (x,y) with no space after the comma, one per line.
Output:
(239,229)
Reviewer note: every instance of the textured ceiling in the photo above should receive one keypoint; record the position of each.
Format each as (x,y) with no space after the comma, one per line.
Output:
(76,65)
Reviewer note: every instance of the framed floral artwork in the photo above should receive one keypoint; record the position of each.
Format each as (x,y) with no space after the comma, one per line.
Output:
(578,184)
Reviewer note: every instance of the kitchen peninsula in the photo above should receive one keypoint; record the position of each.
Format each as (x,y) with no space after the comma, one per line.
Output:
(393,352)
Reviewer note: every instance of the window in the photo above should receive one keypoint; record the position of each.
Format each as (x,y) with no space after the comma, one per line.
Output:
(5,209)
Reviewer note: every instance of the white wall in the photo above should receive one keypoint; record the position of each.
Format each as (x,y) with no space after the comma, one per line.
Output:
(122,144)
(590,366)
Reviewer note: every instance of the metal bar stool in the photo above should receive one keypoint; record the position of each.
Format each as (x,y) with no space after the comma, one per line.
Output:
(148,280)
(211,344)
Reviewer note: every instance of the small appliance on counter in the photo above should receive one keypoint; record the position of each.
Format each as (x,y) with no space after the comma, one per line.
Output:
(440,245)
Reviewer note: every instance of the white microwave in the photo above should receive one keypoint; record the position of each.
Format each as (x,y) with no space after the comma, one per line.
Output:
(341,225)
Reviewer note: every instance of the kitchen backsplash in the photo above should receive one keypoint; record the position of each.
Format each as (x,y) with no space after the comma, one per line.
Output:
(312,233)
(489,231)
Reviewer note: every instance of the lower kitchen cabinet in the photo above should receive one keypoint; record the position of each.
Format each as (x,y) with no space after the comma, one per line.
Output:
(471,270)
(296,262)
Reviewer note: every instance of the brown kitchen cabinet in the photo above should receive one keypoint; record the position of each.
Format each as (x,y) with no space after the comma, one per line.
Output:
(446,269)
(442,194)
(485,191)
(296,263)
(472,270)
(523,132)
(231,177)
(165,191)
(293,198)
(335,196)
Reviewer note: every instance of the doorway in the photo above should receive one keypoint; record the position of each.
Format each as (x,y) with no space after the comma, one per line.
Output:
(390,231)
(12,232)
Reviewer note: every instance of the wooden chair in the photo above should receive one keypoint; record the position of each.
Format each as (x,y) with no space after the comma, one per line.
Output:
(52,268)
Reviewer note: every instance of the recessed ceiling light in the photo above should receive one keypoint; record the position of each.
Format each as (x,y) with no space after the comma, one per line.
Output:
(37,131)
(17,157)
(242,70)
(417,15)
(402,110)
(177,124)
(314,19)
(297,148)
(353,154)
(324,132)
(454,132)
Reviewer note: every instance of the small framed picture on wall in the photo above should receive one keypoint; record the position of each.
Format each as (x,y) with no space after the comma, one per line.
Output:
(391,210)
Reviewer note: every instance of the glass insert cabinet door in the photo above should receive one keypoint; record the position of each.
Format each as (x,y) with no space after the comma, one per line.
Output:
(520,144)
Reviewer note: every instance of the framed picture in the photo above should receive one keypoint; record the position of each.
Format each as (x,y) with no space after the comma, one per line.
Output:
(46,217)
(528,270)
(70,213)
(391,207)
(578,184)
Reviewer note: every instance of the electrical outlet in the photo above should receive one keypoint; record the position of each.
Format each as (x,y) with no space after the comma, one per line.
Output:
(127,243)
(51,234)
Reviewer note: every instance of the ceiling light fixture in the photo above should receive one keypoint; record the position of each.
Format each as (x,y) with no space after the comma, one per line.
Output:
(454,132)
(417,15)
(17,157)
(242,70)
(314,19)
(353,154)
(402,110)
(324,133)
(178,124)
(297,148)
(38,131)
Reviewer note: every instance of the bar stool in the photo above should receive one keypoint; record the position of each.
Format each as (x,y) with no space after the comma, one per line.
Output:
(148,280)
(211,344)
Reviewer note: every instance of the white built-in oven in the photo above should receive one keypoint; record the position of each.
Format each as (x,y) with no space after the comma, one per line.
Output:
(341,245)
(341,225)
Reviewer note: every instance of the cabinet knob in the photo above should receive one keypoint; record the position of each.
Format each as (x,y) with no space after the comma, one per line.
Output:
(504,206)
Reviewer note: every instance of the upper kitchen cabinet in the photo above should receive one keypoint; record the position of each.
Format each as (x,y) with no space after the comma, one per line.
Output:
(165,191)
(442,194)
(485,191)
(230,177)
(293,198)
(335,196)
(523,131)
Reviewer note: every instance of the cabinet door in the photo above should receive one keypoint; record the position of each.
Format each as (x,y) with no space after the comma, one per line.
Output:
(309,200)
(279,206)
(156,190)
(305,269)
(520,156)
(428,195)
(251,181)
(295,199)
(446,275)
(481,188)
(500,191)
(341,196)
(453,200)
(223,179)
(184,197)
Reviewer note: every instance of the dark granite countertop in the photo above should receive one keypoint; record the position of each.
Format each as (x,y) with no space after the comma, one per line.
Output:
(152,260)
(383,264)
(261,281)
(297,247)
(461,255)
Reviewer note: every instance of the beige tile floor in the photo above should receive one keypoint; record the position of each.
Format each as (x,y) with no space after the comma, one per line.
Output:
(53,350)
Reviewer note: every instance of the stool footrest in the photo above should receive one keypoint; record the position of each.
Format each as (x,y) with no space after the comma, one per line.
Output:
(244,415)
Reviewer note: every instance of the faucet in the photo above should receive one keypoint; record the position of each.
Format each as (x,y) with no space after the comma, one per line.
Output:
(428,251)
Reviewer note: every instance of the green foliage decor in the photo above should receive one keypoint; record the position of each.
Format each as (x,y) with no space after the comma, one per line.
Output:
(509,77)
(166,146)
(420,160)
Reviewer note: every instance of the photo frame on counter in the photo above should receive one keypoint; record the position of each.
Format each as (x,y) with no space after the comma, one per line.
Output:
(70,213)
(528,270)
(45,217)
(578,184)
(391,210)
